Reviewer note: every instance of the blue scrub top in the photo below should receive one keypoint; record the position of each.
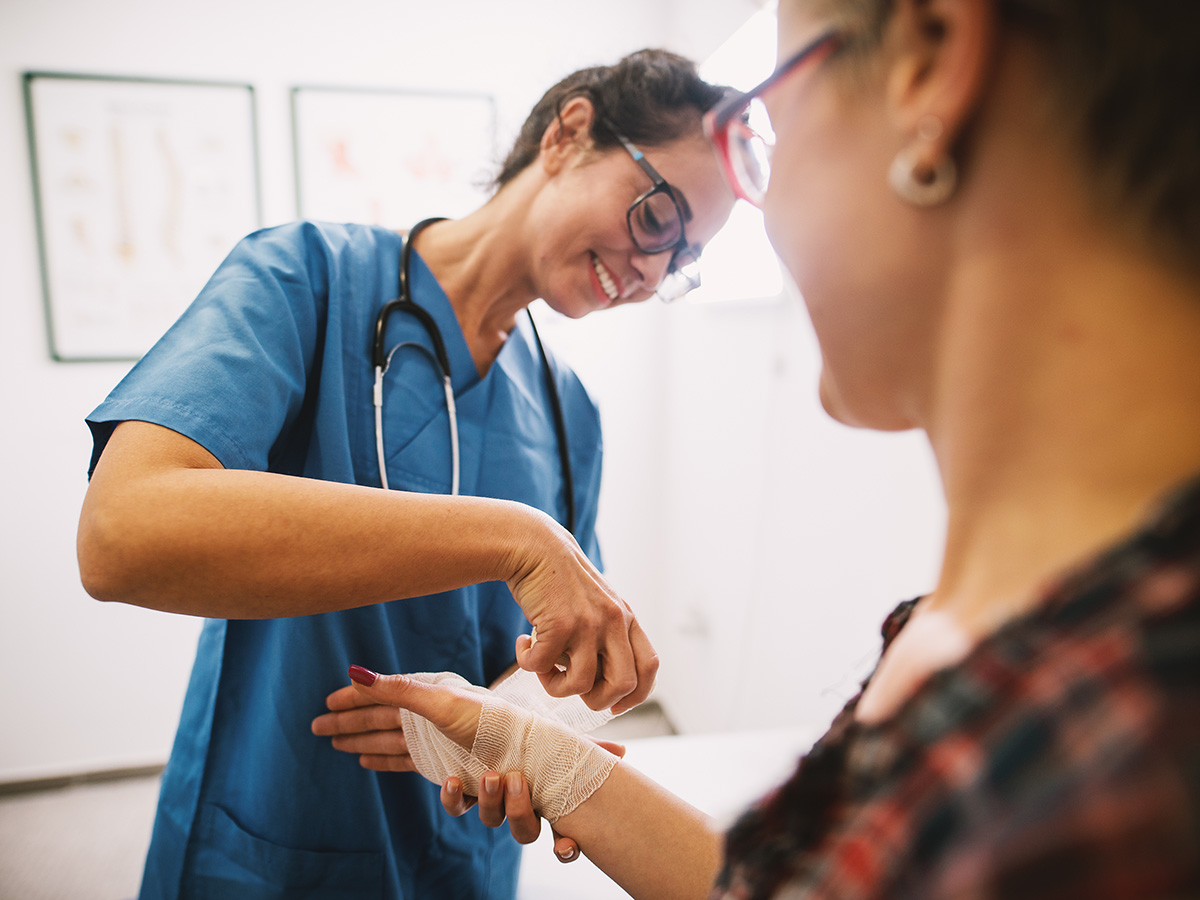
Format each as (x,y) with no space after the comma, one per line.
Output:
(269,370)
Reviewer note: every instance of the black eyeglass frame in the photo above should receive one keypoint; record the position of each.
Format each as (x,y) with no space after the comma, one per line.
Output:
(720,119)
(682,254)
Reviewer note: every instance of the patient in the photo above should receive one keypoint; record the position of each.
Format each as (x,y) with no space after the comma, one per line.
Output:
(992,209)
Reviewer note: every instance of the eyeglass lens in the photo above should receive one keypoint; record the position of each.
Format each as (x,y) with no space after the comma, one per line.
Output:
(750,144)
(683,276)
(655,223)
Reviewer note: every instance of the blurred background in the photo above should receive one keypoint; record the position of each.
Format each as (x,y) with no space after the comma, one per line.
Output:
(760,543)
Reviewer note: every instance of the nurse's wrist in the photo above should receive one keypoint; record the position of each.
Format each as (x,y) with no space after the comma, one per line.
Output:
(535,537)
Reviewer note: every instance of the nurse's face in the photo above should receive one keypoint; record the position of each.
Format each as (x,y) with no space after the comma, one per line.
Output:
(849,243)
(586,257)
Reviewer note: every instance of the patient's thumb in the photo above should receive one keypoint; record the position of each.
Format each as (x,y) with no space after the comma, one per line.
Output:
(400,691)
(389,690)
(362,675)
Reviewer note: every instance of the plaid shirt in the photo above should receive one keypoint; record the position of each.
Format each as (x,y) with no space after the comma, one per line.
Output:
(1060,759)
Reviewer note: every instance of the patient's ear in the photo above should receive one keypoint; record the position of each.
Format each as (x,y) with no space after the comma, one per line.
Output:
(943,54)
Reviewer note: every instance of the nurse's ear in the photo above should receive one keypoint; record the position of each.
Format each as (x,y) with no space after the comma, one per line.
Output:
(568,136)
(942,55)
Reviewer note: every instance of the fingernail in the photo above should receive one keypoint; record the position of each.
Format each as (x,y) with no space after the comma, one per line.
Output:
(513,783)
(491,784)
(566,855)
(452,788)
(362,676)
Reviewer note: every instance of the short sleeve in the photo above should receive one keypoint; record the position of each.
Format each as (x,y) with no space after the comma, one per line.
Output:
(231,374)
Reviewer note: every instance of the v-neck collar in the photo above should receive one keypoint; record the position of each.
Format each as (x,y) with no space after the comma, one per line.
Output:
(428,293)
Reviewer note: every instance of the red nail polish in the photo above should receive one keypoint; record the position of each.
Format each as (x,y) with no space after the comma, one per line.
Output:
(362,676)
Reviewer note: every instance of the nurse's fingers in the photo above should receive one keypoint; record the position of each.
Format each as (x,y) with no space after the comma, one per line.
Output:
(491,799)
(647,663)
(523,822)
(501,797)
(616,676)
(524,645)
(578,678)
(356,721)
(454,801)
(566,661)
(507,797)
(565,848)
(551,654)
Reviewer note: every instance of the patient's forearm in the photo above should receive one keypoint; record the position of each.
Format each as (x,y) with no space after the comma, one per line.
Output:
(650,842)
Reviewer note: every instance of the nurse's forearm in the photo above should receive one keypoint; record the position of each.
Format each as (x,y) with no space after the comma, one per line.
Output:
(164,526)
(647,840)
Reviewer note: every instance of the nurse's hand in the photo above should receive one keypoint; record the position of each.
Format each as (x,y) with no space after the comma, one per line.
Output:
(609,662)
(507,796)
(510,798)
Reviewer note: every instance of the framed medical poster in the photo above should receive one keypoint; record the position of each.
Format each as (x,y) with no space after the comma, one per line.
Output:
(142,187)
(391,157)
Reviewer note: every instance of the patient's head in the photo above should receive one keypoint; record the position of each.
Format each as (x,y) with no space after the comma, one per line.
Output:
(937,136)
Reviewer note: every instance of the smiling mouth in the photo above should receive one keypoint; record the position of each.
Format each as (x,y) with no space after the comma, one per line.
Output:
(607,283)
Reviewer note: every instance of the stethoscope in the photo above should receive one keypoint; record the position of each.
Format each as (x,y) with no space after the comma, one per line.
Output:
(441,362)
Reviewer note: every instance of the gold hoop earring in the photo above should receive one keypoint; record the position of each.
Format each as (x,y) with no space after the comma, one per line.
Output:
(929,187)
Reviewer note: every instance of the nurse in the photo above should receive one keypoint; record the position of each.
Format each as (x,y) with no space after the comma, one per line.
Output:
(236,476)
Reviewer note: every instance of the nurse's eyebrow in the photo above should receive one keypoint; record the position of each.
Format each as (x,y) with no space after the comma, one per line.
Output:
(682,200)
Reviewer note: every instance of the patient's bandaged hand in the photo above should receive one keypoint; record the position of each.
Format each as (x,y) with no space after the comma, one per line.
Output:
(562,768)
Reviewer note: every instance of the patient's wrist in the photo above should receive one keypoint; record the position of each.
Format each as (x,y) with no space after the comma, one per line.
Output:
(563,769)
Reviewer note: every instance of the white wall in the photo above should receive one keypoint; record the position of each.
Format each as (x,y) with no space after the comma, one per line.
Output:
(789,536)
(733,513)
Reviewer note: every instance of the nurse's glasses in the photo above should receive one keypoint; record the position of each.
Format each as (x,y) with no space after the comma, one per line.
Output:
(740,128)
(655,222)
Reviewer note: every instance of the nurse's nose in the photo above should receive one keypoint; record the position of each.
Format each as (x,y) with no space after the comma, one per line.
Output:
(651,269)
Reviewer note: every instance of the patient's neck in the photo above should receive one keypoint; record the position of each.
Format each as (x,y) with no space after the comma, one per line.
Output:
(1069,403)
(1067,406)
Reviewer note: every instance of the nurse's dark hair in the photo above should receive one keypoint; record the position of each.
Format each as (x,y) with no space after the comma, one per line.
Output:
(652,97)
(1123,76)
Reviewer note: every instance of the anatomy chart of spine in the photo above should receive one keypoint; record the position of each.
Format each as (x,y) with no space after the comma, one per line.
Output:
(143,187)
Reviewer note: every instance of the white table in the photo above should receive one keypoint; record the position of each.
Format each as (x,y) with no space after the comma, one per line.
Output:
(719,774)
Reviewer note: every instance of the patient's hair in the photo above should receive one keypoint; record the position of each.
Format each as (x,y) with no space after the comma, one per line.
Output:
(1124,77)
(652,97)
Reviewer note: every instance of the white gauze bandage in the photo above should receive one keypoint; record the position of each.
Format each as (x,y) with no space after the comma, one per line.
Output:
(562,768)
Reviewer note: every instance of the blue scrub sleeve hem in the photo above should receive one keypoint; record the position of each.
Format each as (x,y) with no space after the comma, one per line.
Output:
(158,411)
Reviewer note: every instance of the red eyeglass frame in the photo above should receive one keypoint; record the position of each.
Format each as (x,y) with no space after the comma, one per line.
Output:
(720,121)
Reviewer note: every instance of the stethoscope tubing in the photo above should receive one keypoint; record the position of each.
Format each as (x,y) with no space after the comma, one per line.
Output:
(381,360)
(451,414)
